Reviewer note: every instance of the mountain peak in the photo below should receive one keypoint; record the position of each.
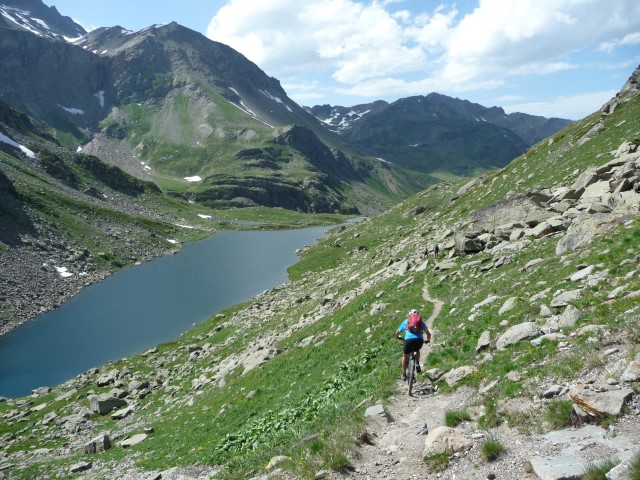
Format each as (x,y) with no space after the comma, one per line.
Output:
(35,17)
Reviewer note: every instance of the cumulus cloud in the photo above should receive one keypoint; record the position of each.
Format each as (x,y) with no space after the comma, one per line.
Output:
(568,106)
(378,48)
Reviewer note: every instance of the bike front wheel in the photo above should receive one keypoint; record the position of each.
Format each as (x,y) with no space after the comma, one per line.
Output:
(411,373)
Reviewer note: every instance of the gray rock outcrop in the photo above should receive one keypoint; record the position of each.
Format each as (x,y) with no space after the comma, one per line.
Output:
(518,333)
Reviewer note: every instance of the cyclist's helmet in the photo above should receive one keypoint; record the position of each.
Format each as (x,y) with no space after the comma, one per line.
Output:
(413,311)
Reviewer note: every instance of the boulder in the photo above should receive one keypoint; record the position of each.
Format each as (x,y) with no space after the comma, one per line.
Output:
(596,190)
(583,273)
(564,298)
(467,187)
(518,333)
(541,230)
(598,403)
(466,245)
(569,317)
(584,228)
(123,412)
(504,231)
(107,378)
(378,412)
(551,337)
(131,441)
(514,210)
(586,178)
(561,467)
(508,305)
(632,372)
(98,444)
(445,440)
(103,404)
(484,341)
(454,376)
(487,301)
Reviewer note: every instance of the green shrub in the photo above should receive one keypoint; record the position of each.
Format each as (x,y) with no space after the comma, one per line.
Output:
(634,468)
(492,448)
(598,471)
(338,462)
(437,462)
(559,413)
(453,418)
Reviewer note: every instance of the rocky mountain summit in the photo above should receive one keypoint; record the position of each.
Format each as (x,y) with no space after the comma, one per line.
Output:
(532,373)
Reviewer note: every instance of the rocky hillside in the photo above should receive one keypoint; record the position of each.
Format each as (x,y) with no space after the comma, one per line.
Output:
(533,371)
(68,219)
(438,133)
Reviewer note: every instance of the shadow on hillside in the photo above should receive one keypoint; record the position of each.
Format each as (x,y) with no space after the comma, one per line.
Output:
(14,220)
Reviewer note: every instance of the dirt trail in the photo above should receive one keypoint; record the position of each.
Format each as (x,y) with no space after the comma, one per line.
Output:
(398,445)
(396,449)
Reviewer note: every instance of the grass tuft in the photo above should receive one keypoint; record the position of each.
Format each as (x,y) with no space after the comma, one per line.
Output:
(492,448)
(453,418)
(598,471)
(634,468)
(560,414)
(437,462)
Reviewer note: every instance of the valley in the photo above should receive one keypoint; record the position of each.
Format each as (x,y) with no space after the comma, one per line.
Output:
(534,367)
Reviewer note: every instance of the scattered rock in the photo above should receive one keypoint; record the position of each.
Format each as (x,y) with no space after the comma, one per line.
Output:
(134,440)
(599,403)
(276,461)
(105,403)
(98,444)
(80,467)
(378,412)
(484,341)
(454,376)
(445,440)
(564,298)
(518,333)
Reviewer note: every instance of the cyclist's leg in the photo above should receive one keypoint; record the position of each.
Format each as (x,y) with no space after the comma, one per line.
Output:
(406,351)
(418,345)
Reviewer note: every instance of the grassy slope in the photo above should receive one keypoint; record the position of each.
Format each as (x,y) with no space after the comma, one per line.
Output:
(349,358)
(190,135)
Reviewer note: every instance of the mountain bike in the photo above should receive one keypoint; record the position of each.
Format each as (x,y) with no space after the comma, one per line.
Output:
(411,371)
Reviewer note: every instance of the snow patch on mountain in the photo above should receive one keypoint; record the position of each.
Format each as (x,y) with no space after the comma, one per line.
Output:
(72,111)
(343,120)
(275,99)
(13,143)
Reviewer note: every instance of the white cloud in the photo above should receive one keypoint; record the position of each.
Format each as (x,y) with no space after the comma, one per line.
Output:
(573,107)
(379,48)
(630,39)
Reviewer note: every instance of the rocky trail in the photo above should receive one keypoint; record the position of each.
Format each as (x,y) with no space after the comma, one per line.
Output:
(407,428)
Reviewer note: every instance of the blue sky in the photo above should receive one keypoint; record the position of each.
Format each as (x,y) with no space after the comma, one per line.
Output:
(562,58)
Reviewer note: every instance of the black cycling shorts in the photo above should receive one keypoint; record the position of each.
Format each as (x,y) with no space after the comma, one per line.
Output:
(412,345)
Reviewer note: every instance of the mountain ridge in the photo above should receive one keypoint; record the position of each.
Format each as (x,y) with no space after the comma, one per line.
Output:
(427,131)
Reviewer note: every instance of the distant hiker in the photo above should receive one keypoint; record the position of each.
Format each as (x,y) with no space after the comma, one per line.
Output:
(436,250)
(411,330)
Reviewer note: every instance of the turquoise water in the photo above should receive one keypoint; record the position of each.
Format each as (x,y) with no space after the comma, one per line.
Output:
(145,305)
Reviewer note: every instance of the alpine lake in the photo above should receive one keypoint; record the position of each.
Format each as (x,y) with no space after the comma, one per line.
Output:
(145,305)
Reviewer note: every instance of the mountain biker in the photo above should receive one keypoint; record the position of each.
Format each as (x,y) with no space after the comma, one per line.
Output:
(412,342)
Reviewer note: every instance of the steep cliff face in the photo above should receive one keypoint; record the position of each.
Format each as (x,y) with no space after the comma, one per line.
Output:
(60,84)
